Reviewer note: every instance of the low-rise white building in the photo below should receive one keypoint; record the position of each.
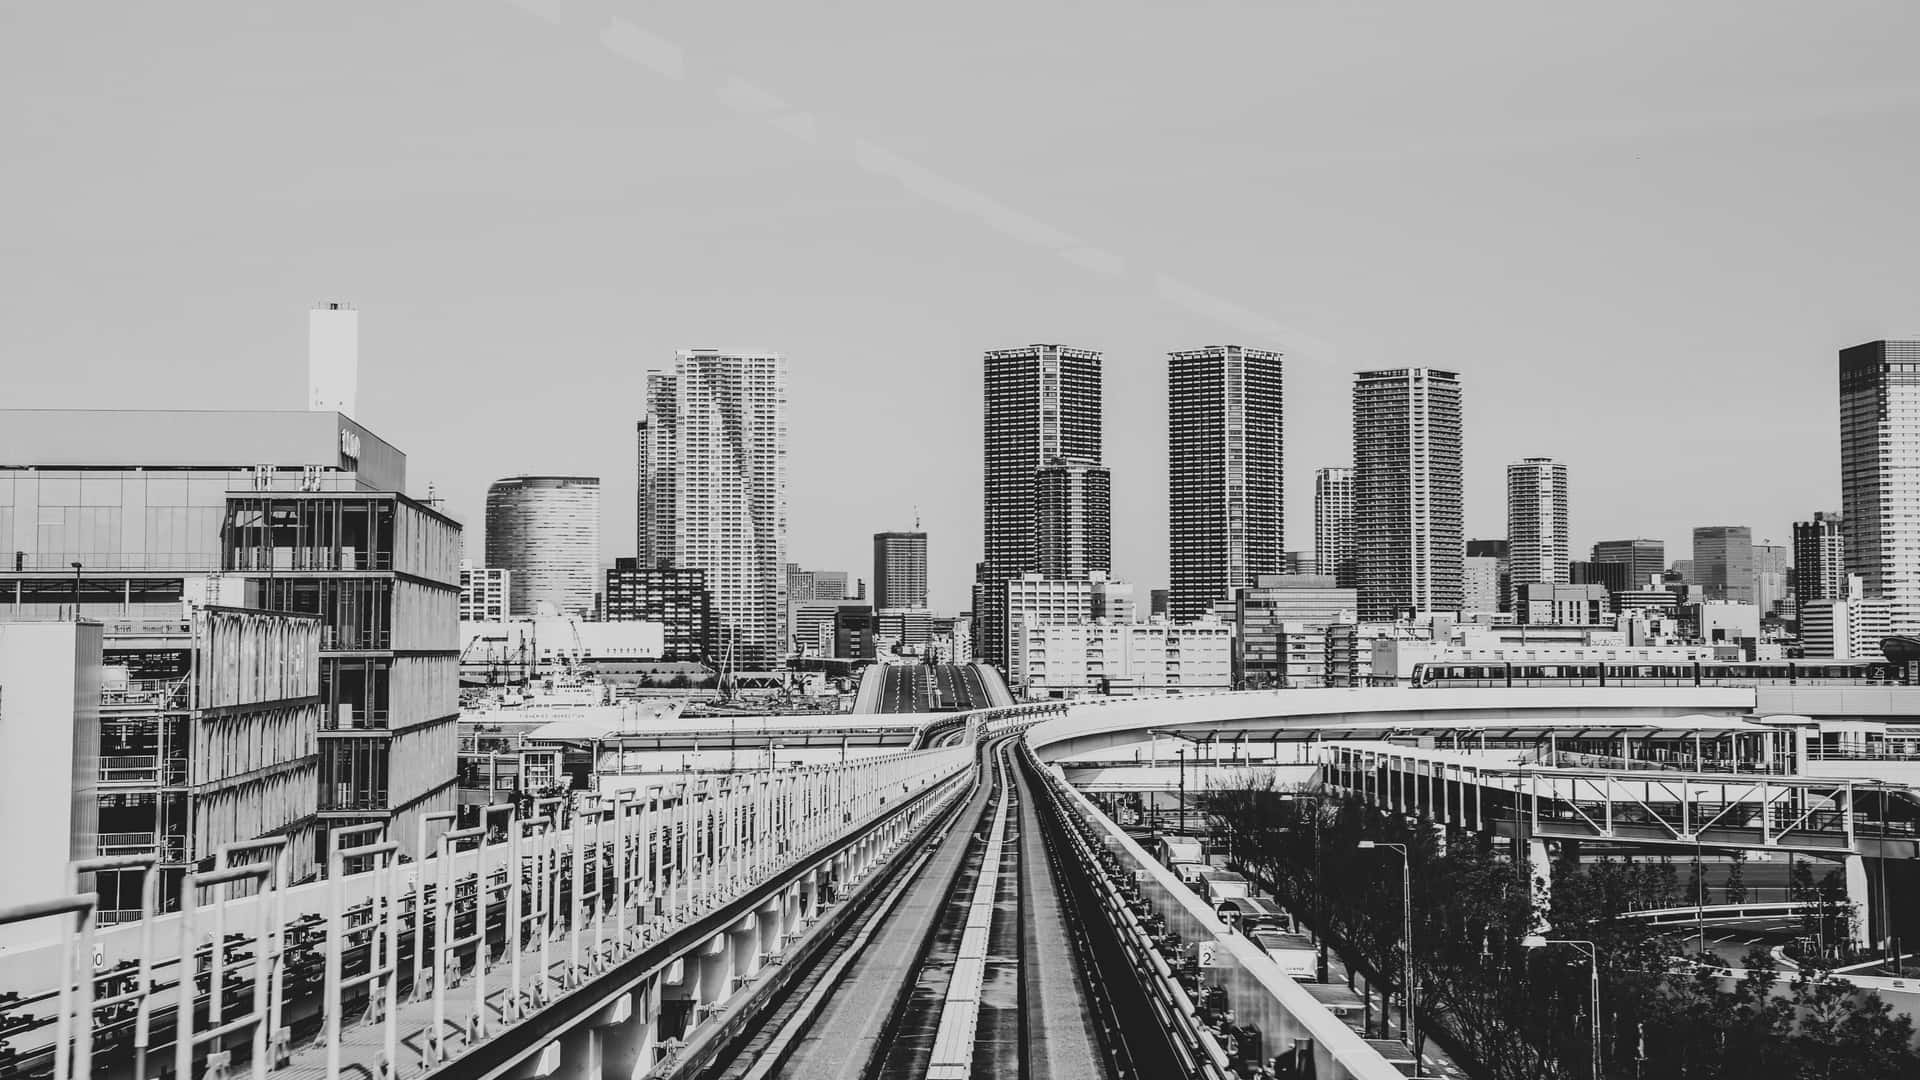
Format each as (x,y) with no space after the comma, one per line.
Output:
(1033,600)
(558,642)
(483,592)
(1061,660)
(1846,629)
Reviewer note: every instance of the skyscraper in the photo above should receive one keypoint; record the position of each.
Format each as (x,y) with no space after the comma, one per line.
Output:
(654,523)
(1407,491)
(1537,522)
(1225,451)
(1479,574)
(713,489)
(899,570)
(545,531)
(1819,558)
(1073,519)
(1333,523)
(1645,559)
(1880,473)
(1723,562)
(1042,405)
(1772,574)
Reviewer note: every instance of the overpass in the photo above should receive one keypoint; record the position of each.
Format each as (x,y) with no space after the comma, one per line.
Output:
(699,921)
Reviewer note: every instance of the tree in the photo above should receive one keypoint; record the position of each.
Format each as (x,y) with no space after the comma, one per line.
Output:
(1736,877)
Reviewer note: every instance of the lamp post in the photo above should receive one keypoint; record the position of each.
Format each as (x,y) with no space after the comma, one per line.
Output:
(1180,814)
(1410,1020)
(1592,953)
(1301,798)
(1699,876)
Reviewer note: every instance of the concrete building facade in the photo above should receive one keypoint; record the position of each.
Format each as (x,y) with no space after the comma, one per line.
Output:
(1279,625)
(1065,660)
(485,593)
(676,597)
(50,680)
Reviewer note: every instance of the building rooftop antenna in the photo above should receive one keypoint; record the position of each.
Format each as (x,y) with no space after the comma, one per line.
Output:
(916,517)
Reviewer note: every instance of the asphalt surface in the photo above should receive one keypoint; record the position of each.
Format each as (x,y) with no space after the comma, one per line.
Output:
(924,688)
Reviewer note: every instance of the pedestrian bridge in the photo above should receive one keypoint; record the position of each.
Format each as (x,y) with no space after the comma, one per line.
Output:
(611,937)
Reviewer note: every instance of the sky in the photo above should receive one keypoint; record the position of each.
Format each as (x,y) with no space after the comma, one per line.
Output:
(1640,231)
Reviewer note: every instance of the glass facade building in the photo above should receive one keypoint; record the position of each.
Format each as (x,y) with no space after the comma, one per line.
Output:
(291,511)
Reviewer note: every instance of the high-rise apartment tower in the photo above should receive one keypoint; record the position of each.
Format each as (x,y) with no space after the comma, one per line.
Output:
(1819,558)
(1408,543)
(1880,473)
(1042,406)
(1537,522)
(713,490)
(899,570)
(1333,523)
(1225,450)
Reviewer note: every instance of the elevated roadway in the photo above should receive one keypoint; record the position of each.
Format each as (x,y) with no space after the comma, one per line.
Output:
(930,688)
(681,911)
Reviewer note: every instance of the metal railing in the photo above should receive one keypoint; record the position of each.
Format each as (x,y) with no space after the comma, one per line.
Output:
(361,720)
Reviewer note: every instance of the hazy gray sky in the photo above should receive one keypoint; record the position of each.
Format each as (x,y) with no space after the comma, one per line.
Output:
(1640,230)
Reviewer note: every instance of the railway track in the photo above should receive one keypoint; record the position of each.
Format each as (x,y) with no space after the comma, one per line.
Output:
(970,964)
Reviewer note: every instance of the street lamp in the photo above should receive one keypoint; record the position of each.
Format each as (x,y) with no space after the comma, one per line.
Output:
(1410,1020)
(1301,798)
(1592,953)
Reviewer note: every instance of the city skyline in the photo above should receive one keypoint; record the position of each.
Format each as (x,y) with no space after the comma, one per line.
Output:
(398,200)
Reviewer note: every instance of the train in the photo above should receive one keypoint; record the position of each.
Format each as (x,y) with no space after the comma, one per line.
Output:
(1809,672)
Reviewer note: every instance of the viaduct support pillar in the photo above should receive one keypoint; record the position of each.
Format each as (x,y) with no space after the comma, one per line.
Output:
(1861,892)
(626,1047)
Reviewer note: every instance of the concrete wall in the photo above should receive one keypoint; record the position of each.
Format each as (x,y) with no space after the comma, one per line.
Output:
(1257,991)
(49,761)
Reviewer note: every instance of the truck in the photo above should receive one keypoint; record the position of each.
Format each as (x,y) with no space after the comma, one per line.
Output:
(1191,874)
(1295,954)
(1178,849)
(1221,885)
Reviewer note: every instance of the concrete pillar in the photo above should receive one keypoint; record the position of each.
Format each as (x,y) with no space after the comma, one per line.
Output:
(716,972)
(770,921)
(546,1063)
(626,1049)
(579,1054)
(1539,861)
(743,941)
(1861,893)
